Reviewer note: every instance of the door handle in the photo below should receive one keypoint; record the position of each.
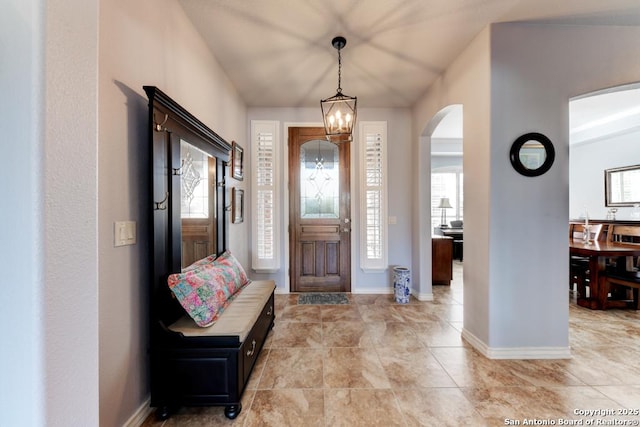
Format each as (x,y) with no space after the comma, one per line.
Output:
(346,230)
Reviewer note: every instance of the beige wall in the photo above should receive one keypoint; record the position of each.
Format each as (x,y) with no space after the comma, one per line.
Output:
(147,42)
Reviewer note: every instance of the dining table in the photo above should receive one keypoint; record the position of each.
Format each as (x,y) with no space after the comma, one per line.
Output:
(598,253)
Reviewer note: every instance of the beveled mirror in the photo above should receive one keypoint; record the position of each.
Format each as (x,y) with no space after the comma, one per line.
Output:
(622,186)
(532,154)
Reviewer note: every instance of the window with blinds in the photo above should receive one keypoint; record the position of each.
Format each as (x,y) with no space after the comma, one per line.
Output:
(373,159)
(447,182)
(264,137)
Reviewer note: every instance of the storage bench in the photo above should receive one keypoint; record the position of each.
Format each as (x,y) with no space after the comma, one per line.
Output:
(211,366)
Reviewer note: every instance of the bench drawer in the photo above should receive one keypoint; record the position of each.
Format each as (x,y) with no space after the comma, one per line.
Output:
(255,339)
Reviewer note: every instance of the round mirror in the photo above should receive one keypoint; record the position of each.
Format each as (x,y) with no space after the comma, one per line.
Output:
(532,154)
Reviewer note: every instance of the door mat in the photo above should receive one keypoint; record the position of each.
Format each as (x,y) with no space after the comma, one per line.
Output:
(323,298)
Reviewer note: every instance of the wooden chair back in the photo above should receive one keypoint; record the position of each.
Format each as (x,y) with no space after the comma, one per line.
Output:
(576,231)
(627,234)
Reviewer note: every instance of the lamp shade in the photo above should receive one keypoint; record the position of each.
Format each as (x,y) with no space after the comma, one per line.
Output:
(444,203)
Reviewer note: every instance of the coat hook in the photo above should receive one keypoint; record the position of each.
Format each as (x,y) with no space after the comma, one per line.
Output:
(178,171)
(158,127)
(162,205)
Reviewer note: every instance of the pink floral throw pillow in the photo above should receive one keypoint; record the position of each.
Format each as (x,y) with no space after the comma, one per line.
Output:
(237,272)
(206,290)
(207,260)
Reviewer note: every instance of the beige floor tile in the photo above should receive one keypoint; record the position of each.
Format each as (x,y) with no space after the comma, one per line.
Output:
(288,407)
(468,368)
(367,299)
(339,313)
(297,334)
(299,313)
(536,402)
(438,333)
(375,362)
(437,407)
(353,368)
(258,368)
(543,372)
(361,407)
(393,334)
(413,368)
(626,396)
(292,368)
(345,334)
(416,312)
(209,416)
(606,365)
(379,313)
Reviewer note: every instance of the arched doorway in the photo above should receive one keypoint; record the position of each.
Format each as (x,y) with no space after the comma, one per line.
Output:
(444,131)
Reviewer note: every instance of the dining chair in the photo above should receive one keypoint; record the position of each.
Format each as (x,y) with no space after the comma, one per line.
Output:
(579,266)
(625,273)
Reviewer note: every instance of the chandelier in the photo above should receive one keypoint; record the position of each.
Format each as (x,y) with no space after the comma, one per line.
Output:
(339,111)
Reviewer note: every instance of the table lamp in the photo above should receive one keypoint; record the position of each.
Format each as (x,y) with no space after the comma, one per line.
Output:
(444,205)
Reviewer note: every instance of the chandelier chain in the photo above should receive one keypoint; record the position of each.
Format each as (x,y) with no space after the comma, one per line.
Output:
(339,71)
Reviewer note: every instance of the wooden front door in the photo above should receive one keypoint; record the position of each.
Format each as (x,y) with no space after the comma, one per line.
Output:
(319,212)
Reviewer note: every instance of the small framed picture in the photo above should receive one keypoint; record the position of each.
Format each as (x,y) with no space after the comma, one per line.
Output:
(237,205)
(237,153)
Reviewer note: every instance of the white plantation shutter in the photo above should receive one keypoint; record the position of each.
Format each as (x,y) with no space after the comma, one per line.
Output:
(265,216)
(373,154)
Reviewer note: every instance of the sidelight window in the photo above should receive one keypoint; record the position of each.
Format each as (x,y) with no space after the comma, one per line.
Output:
(265,249)
(373,160)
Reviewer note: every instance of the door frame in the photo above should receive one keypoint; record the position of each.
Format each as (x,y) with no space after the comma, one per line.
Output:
(355,223)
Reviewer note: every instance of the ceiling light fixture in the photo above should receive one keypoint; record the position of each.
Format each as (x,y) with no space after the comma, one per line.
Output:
(339,111)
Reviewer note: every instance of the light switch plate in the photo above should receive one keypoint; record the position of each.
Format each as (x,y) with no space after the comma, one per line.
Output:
(393,220)
(124,233)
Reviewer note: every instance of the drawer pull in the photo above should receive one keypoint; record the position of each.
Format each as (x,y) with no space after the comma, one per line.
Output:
(270,310)
(253,348)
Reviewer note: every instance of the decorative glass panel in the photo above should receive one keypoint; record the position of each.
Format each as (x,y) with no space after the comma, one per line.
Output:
(319,180)
(194,179)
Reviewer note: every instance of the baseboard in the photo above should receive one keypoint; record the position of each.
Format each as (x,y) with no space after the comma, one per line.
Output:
(140,415)
(372,291)
(423,296)
(516,352)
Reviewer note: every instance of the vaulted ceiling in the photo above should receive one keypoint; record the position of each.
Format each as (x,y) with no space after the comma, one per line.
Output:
(278,53)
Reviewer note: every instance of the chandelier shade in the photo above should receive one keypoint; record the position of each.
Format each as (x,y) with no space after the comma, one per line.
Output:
(339,111)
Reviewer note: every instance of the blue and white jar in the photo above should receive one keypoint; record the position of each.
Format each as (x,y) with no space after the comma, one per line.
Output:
(401,287)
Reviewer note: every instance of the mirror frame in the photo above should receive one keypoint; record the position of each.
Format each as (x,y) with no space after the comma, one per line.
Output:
(519,143)
(607,186)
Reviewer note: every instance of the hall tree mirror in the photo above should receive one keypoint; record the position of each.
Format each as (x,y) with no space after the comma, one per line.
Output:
(189,218)
(197,203)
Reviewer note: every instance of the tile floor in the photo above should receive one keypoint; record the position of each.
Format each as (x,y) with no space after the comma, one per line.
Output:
(377,363)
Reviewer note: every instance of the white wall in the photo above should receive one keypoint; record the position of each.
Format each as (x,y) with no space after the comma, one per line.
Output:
(587,162)
(400,203)
(466,82)
(21,216)
(51,375)
(148,42)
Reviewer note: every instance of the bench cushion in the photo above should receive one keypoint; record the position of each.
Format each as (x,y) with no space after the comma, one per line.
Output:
(238,318)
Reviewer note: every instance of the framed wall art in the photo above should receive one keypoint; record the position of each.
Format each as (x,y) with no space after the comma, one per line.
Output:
(237,154)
